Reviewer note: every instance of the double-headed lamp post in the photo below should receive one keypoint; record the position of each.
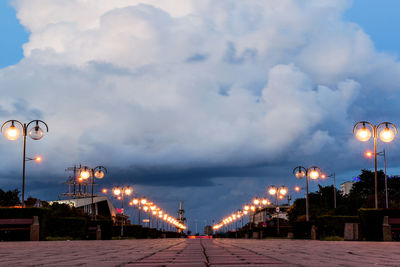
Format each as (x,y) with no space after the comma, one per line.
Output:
(313,172)
(12,133)
(121,191)
(387,134)
(96,172)
(279,192)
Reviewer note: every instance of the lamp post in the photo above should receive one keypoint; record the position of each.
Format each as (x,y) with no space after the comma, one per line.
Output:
(313,172)
(96,172)
(369,154)
(12,133)
(139,202)
(323,176)
(386,135)
(278,192)
(121,191)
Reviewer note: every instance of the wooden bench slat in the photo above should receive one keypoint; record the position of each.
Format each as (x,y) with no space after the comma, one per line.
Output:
(15,221)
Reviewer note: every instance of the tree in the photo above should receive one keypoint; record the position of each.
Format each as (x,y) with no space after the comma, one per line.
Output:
(9,198)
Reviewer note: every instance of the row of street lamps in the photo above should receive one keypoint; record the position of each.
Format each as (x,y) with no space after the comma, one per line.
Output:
(143,204)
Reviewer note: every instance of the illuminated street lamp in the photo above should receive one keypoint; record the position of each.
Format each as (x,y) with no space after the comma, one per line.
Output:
(120,192)
(96,172)
(387,134)
(313,172)
(279,192)
(12,133)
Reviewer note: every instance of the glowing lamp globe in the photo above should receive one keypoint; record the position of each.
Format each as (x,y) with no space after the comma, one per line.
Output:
(272,191)
(297,189)
(264,201)
(128,191)
(135,201)
(36,133)
(116,191)
(256,201)
(104,191)
(386,135)
(300,174)
(363,134)
(314,174)
(85,174)
(143,201)
(12,132)
(99,174)
(283,191)
(245,212)
(246,207)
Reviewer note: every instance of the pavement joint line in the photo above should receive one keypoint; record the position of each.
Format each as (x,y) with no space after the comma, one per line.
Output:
(284,262)
(147,256)
(205,254)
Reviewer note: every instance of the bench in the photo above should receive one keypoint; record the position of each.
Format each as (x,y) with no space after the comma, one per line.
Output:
(22,224)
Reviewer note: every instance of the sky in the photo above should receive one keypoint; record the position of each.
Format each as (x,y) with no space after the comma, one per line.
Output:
(209,103)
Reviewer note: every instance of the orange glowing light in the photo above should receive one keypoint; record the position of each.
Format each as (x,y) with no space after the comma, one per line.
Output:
(297,188)
(119,198)
(368,154)
(80,179)
(104,191)
(323,176)
(38,158)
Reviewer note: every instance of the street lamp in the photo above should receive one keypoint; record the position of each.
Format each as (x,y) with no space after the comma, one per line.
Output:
(96,172)
(279,192)
(313,172)
(12,133)
(387,134)
(120,192)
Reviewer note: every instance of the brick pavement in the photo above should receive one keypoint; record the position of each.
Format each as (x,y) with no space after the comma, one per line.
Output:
(214,253)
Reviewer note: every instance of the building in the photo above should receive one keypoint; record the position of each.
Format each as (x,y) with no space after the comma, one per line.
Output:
(346,187)
(102,205)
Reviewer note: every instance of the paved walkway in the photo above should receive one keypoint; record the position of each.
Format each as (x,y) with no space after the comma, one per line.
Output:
(183,252)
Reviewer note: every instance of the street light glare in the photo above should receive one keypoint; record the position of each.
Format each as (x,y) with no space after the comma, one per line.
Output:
(117,191)
(256,201)
(297,188)
(363,134)
(38,158)
(368,154)
(12,132)
(128,191)
(85,174)
(386,135)
(314,174)
(283,191)
(143,201)
(272,191)
(104,190)
(135,201)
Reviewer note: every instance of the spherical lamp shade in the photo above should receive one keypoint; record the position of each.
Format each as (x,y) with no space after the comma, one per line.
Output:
(272,191)
(99,174)
(143,201)
(386,135)
(85,174)
(135,201)
(128,191)
(12,132)
(363,134)
(36,133)
(314,174)
(283,191)
(256,201)
(300,174)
